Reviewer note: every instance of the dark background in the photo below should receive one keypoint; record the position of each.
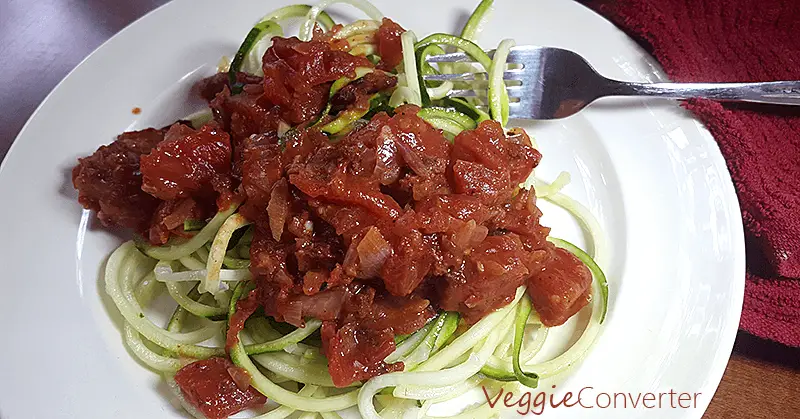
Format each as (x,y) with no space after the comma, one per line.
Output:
(42,40)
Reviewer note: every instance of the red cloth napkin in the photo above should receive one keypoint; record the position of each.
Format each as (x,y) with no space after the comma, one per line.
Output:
(739,41)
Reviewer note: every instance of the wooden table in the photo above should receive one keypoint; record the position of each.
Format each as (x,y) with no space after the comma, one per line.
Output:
(40,41)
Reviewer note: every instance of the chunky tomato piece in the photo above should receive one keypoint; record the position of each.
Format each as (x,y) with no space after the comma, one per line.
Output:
(487,279)
(562,289)
(389,46)
(357,354)
(211,386)
(169,218)
(110,182)
(188,163)
(489,146)
(410,264)
(489,164)
(243,115)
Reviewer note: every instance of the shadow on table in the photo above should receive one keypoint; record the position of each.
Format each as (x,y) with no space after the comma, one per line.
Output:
(754,347)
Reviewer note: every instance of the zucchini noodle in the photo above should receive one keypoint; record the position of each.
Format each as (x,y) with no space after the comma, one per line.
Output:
(425,69)
(329,415)
(425,347)
(439,394)
(313,373)
(469,48)
(498,104)
(441,91)
(446,125)
(544,189)
(360,39)
(147,288)
(401,95)
(407,40)
(219,246)
(292,338)
(298,10)
(442,360)
(364,49)
(279,394)
(247,56)
(589,224)
(477,20)
(440,378)
(285,411)
(190,305)
(448,114)
(153,360)
(165,274)
(359,27)
(191,264)
(199,118)
(466,341)
(461,105)
(499,368)
(338,84)
(119,287)
(307,29)
(408,345)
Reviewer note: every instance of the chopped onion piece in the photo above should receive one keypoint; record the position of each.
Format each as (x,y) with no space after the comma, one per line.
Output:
(373,250)
(278,208)
(240,377)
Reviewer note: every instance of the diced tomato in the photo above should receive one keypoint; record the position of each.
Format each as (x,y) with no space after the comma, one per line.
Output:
(170,215)
(262,167)
(209,386)
(489,146)
(411,263)
(357,354)
(475,179)
(346,190)
(187,163)
(389,46)
(487,279)
(243,115)
(109,181)
(561,289)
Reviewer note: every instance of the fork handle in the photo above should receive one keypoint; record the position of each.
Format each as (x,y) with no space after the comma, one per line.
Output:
(775,92)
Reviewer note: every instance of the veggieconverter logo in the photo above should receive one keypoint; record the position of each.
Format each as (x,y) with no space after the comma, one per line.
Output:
(588,397)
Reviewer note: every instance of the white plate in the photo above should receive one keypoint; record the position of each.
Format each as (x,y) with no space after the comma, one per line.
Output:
(653,176)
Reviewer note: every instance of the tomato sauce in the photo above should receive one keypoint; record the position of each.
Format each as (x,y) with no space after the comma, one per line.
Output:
(372,231)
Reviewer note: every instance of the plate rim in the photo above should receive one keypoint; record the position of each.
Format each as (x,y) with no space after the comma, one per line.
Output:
(728,339)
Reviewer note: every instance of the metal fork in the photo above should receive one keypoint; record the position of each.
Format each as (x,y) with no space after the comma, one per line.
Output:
(555,83)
